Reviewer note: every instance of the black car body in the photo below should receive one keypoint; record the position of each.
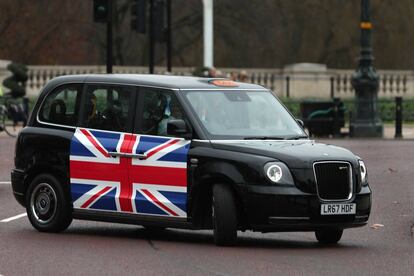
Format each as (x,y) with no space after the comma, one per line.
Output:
(199,176)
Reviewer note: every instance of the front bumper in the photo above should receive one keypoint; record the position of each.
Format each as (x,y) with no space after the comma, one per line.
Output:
(276,208)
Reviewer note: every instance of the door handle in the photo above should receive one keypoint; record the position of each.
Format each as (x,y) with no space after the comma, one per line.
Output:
(140,156)
(116,154)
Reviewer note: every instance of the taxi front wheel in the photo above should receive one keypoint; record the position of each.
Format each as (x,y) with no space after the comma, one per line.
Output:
(47,206)
(328,235)
(224,215)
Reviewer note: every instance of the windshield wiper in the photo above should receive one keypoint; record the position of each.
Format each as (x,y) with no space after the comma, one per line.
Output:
(264,138)
(275,137)
(297,137)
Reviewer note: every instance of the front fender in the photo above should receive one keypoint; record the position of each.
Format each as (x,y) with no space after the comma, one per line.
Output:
(219,166)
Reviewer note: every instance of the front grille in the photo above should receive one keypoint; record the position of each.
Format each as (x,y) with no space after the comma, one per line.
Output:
(333,180)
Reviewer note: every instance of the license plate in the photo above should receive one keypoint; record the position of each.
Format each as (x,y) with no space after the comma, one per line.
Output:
(338,209)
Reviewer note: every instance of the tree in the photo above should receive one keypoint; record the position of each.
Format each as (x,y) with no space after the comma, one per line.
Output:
(266,33)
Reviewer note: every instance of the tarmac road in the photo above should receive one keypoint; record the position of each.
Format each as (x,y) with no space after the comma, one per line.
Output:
(90,248)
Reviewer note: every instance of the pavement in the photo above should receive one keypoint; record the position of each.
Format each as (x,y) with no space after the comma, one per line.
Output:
(384,247)
(407,131)
(389,131)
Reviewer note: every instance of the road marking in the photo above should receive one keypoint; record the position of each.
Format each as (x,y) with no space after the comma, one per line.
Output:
(14,217)
(5,183)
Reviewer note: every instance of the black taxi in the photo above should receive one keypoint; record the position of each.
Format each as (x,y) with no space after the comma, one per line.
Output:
(181,152)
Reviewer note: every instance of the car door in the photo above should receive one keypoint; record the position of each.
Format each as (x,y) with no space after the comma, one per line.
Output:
(158,170)
(100,149)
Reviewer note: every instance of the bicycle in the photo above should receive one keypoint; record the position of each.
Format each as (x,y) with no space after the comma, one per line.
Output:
(12,117)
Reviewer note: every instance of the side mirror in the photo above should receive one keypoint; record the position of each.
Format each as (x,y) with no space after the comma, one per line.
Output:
(302,124)
(178,127)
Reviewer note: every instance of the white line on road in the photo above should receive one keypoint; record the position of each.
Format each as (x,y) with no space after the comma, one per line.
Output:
(14,217)
(5,183)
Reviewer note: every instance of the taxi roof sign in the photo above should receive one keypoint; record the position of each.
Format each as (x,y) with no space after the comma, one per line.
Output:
(224,83)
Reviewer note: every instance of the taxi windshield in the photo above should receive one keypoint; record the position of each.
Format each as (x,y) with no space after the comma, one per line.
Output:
(239,114)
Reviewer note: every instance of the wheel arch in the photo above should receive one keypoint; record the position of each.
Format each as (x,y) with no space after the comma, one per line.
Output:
(202,200)
(35,171)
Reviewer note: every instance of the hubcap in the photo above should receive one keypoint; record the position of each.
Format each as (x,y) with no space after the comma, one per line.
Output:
(43,203)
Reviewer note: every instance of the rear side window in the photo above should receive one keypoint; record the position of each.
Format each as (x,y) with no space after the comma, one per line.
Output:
(108,107)
(62,105)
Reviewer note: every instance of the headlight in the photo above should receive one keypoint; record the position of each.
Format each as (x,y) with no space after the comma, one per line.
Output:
(274,173)
(363,171)
(278,172)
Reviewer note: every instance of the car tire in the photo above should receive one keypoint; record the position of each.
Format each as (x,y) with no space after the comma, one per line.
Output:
(328,235)
(224,214)
(47,205)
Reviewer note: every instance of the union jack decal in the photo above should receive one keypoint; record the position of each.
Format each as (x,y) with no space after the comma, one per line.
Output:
(107,174)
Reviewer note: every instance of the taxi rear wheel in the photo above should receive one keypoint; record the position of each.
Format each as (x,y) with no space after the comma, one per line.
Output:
(48,209)
(224,213)
(328,235)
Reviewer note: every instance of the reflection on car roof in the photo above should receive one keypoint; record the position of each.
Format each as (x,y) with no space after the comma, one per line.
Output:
(162,81)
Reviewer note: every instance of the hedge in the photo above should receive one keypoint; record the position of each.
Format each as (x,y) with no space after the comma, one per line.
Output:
(386,108)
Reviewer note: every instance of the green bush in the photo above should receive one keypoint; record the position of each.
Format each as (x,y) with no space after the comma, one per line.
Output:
(16,82)
(386,108)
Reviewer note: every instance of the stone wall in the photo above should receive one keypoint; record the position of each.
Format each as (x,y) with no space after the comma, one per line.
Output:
(294,81)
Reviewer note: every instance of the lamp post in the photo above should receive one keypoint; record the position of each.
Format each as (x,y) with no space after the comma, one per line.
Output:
(365,121)
(109,56)
(208,33)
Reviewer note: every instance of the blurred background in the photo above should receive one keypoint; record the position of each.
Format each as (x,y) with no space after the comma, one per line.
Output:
(251,34)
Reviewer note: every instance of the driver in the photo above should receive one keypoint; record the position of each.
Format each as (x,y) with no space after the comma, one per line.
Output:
(167,115)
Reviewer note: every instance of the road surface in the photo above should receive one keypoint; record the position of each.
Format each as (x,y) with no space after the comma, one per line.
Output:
(91,248)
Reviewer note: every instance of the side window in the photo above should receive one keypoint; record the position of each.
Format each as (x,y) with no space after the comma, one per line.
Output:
(159,106)
(108,107)
(62,105)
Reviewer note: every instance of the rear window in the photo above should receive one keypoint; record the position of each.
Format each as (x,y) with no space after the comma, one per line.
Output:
(62,106)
